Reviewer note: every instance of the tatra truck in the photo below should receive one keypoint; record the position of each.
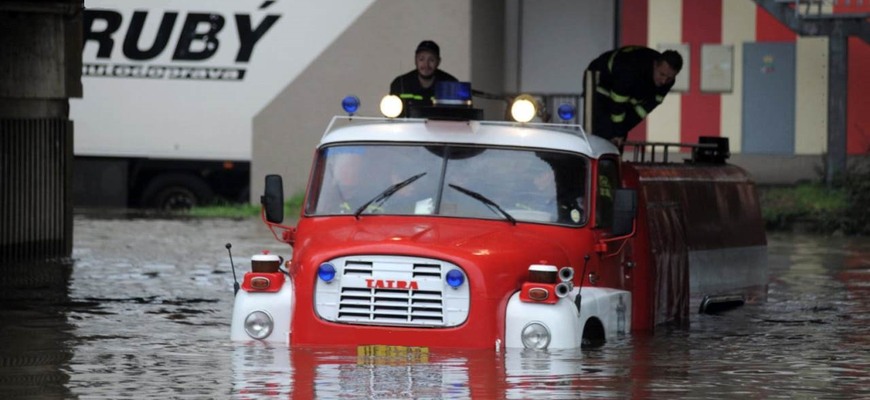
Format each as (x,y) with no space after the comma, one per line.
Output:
(442,229)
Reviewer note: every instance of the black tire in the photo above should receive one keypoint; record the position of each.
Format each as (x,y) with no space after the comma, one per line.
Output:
(176,192)
(593,335)
(245,195)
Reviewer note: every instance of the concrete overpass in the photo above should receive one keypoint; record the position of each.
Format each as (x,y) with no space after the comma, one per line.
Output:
(40,69)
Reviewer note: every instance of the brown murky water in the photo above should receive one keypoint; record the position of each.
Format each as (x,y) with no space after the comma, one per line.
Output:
(146,310)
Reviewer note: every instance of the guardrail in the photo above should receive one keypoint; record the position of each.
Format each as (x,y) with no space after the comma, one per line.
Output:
(824,8)
(710,150)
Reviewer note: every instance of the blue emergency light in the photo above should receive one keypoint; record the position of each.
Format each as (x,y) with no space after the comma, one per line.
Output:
(350,104)
(452,101)
(455,278)
(454,93)
(326,272)
(566,112)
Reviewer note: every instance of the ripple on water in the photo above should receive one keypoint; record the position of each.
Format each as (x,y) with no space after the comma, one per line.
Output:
(152,320)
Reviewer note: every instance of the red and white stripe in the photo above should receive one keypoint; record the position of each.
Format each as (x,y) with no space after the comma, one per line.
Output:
(686,115)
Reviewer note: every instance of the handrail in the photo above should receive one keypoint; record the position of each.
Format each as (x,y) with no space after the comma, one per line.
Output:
(808,11)
(640,149)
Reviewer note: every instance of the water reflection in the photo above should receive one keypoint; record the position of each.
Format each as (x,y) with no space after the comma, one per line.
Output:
(34,329)
(808,340)
(144,312)
(303,373)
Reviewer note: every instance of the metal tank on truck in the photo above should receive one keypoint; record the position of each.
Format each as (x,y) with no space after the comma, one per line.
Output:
(445,230)
(171,89)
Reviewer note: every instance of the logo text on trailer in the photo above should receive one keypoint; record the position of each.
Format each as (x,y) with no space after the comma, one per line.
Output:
(197,42)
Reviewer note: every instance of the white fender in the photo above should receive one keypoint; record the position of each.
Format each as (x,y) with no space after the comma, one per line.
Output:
(279,305)
(563,320)
(604,304)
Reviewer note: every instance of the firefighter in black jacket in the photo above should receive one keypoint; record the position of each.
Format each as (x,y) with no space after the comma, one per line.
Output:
(631,81)
(417,88)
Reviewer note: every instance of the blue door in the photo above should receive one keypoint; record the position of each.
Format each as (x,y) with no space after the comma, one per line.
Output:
(769,98)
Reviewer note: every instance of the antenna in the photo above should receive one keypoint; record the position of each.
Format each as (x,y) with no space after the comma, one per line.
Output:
(578,299)
(235,281)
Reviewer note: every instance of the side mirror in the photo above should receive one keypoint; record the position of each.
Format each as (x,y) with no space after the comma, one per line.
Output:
(273,199)
(624,211)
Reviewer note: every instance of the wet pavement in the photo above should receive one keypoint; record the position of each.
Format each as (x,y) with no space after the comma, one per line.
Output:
(143,310)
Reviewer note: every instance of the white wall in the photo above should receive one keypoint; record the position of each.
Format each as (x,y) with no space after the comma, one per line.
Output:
(555,40)
(371,50)
(544,45)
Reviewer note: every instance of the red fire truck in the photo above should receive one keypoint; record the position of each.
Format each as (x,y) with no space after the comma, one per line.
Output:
(444,230)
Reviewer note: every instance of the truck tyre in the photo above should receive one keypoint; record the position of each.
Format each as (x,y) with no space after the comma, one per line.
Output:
(593,334)
(244,195)
(176,192)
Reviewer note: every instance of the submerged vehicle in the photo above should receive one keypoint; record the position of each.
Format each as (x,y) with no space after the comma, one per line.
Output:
(443,230)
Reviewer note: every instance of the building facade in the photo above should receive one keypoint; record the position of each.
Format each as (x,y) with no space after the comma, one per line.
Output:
(747,76)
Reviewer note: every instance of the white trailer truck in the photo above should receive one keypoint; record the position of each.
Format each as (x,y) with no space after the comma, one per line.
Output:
(171,88)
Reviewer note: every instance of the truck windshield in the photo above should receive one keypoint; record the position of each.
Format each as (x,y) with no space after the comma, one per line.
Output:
(376,179)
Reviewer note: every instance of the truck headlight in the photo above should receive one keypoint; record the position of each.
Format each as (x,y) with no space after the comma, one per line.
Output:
(258,325)
(524,108)
(391,106)
(535,335)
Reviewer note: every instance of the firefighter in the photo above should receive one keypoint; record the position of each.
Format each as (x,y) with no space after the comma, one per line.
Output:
(417,88)
(628,83)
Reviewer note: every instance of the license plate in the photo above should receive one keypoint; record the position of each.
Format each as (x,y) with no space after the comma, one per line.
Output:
(383,354)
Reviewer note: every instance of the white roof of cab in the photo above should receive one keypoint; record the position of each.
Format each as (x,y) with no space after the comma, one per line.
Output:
(488,133)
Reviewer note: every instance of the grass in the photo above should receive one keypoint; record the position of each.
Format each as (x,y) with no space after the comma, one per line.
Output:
(801,200)
(813,206)
(291,209)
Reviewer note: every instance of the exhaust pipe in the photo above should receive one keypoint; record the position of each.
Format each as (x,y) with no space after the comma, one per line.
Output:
(563,288)
(566,274)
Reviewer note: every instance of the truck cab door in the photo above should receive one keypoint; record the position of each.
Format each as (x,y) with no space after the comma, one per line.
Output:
(614,224)
(616,207)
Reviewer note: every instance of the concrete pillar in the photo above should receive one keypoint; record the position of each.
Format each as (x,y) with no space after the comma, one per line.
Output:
(40,69)
(838,61)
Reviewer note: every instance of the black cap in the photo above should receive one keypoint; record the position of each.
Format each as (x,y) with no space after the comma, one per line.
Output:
(430,46)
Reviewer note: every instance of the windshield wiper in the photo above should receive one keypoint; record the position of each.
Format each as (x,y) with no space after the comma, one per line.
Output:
(383,196)
(485,200)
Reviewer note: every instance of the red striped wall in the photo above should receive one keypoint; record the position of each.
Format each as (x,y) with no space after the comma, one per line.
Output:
(700,112)
(633,21)
(769,29)
(858,100)
(854,6)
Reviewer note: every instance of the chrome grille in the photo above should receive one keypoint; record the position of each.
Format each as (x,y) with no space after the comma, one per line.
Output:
(392,290)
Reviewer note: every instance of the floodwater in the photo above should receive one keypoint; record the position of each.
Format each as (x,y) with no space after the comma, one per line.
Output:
(146,309)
